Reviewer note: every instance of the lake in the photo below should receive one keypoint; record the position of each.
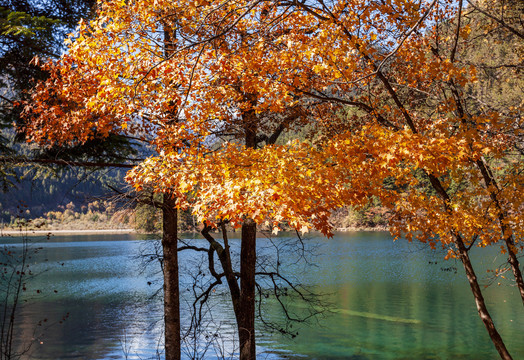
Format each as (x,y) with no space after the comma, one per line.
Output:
(98,299)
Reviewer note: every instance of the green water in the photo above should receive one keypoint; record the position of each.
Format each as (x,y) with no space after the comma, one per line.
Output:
(401,301)
(389,300)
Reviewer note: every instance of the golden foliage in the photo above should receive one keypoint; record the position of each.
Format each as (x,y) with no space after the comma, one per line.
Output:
(383,83)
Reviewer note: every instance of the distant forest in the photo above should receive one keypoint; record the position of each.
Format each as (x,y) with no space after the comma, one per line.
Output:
(38,191)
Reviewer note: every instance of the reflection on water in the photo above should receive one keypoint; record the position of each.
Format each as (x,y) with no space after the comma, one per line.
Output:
(394,301)
(390,301)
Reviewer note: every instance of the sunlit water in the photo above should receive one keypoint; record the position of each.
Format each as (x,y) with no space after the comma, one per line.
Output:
(389,300)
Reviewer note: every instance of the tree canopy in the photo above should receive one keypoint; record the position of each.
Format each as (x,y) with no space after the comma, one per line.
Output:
(395,102)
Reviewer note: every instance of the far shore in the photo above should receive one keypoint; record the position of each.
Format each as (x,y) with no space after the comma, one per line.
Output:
(65,232)
(363,228)
(11,232)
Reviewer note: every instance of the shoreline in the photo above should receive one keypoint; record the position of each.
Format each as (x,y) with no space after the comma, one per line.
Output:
(10,232)
(66,232)
(363,228)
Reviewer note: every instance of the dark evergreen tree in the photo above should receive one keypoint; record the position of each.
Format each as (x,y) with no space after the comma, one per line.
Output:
(29,29)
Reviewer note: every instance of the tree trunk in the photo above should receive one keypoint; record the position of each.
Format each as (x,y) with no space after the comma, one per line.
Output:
(515,266)
(479,301)
(246,318)
(490,182)
(472,277)
(170,270)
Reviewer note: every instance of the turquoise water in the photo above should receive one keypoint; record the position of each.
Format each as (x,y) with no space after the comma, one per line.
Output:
(388,300)
(395,300)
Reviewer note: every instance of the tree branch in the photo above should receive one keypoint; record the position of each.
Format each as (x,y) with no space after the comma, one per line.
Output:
(500,21)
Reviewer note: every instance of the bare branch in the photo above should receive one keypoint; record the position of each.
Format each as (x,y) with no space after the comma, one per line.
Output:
(500,21)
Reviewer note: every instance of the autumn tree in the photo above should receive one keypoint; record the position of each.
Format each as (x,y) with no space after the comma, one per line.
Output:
(402,67)
(145,98)
(385,84)
(499,89)
(417,141)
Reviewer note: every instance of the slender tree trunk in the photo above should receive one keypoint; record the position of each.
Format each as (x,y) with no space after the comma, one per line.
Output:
(170,242)
(472,277)
(248,254)
(170,270)
(459,242)
(479,301)
(514,262)
(491,183)
(246,318)
(435,182)
(224,256)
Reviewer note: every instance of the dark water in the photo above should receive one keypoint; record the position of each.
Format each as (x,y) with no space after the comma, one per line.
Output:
(390,300)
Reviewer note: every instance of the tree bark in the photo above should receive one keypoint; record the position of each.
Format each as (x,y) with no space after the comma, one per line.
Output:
(246,316)
(479,301)
(170,270)
(243,298)
(471,276)
(515,266)
(224,256)
(170,244)
(490,182)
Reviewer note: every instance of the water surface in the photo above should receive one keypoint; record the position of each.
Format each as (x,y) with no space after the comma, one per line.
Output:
(389,300)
